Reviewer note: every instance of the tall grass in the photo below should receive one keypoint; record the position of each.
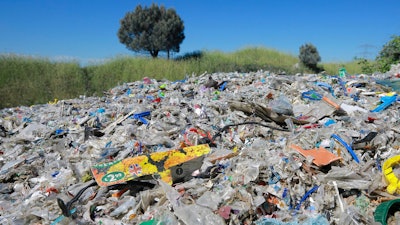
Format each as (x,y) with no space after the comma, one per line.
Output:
(28,80)
(267,59)
(127,69)
(351,67)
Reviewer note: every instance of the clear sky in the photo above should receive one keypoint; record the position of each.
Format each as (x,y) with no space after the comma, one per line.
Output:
(87,30)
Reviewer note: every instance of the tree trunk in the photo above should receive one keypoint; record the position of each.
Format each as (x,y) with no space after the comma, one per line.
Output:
(154,53)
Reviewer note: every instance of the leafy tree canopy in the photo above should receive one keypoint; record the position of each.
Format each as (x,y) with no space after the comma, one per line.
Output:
(309,56)
(390,54)
(152,29)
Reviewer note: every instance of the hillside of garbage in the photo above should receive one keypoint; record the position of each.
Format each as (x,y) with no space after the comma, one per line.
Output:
(222,148)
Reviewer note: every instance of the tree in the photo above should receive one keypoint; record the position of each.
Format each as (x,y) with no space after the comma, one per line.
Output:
(152,29)
(309,56)
(390,54)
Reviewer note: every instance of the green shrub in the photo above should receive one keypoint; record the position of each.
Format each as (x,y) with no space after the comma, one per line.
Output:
(190,55)
(309,57)
(390,54)
(367,66)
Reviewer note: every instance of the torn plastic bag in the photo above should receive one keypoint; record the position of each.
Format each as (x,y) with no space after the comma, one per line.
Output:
(346,178)
(246,172)
(366,141)
(209,199)
(281,105)
(197,215)
(33,132)
(126,203)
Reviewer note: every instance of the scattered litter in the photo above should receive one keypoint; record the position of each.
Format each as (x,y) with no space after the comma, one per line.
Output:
(222,148)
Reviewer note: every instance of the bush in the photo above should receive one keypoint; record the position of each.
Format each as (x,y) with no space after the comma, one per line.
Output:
(309,57)
(367,66)
(390,54)
(190,55)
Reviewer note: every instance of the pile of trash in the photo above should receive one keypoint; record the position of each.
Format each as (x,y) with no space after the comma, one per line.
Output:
(391,78)
(223,148)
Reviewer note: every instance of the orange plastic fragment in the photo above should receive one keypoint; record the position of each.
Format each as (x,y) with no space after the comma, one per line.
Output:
(330,102)
(51,190)
(321,156)
(119,193)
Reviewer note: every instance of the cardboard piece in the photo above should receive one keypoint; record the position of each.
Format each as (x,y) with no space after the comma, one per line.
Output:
(120,171)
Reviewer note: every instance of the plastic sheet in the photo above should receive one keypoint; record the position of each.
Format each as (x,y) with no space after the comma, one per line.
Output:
(197,215)
(319,220)
(281,105)
(347,179)
(127,203)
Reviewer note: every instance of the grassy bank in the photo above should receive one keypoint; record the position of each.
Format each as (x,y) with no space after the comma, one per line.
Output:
(28,80)
(32,80)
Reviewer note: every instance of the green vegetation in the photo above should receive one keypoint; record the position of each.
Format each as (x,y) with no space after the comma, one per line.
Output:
(152,29)
(28,80)
(367,66)
(309,57)
(31,80)
(352,67)
(390,54)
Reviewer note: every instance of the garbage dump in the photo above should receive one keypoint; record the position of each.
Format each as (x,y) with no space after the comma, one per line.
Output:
(222,148)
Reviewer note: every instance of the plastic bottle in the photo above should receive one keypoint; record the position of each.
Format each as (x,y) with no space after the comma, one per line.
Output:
(351,217)
(6,167)
(342,72)
(127,203)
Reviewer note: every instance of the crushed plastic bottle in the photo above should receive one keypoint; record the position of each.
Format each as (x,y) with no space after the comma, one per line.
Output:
(127,203)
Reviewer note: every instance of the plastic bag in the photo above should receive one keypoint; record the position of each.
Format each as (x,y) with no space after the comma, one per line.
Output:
(209,199)
(197,215)
(281,105)
(346,178)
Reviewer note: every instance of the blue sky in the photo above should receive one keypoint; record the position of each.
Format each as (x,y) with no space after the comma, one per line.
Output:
(87,30)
